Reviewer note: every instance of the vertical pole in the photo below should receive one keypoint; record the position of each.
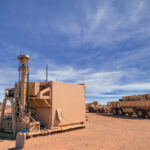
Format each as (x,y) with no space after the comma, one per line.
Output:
(13,116)
(28,90)
(46,72)
(23,85)
(3,110)
(19,71)
(23,82)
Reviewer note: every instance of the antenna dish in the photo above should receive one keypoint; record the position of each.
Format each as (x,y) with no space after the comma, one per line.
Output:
(24,59)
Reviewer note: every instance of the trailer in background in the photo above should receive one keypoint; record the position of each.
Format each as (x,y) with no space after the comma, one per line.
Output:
(137,104)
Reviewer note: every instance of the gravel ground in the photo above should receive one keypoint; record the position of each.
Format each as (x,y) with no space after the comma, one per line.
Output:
(104,132)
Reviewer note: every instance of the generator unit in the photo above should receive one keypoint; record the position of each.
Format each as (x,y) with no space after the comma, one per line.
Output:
(43,107)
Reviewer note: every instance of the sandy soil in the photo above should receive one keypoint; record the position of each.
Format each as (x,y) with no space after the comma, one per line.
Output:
(104,132)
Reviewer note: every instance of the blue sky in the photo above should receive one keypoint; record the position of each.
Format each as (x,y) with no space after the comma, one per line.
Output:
(105,44)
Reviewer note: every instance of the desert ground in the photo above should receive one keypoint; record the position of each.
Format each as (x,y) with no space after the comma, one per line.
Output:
(104,132)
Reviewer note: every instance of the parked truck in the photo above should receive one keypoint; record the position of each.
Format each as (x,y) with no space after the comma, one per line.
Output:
(137,104)
(92,107)
(95,107)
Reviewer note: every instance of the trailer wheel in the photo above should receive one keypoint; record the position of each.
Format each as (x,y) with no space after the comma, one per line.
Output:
(141,113)
(114,111)
(130,114)
(148,113)
(99,110)
(91,110)
(120,112)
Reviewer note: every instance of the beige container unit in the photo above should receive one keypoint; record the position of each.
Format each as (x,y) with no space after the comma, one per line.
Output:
(63,108)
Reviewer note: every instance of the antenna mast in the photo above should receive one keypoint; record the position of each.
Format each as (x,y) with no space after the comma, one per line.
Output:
(46,72)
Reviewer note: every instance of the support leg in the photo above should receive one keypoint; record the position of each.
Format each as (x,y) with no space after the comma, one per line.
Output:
(3,112)
(13,116)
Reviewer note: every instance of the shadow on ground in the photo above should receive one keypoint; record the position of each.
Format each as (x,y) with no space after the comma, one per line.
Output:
(14,148)
(122,117)
(6,136)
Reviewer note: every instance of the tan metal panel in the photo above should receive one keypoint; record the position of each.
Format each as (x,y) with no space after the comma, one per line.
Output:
(34,88)
(43,115)
(70,98)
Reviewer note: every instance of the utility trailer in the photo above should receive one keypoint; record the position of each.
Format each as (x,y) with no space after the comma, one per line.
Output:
(92,107)
(137,104)
(43,107)
(95,107)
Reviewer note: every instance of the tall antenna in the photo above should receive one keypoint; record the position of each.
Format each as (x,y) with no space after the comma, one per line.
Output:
(46,72)
(27,89)
(19,70)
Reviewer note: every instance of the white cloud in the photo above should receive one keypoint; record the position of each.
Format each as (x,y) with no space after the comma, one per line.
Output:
(8,77)
(99,83)
(95,23)
(62,74)
(105,23)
